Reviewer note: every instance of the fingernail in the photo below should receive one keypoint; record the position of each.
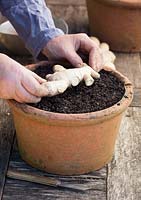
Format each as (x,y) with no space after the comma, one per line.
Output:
(81,64)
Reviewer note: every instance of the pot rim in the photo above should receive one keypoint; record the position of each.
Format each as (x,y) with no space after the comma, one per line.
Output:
(116,109)
(122,3)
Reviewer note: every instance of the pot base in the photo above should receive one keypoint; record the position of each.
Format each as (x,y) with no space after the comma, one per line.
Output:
(69,171)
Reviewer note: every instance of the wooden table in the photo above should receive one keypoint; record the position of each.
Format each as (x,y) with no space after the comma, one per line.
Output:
(119,180)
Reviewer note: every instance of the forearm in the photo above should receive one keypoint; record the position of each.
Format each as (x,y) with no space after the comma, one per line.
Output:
(32,20)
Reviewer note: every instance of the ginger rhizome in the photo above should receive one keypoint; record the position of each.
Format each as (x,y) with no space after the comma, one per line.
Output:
(63,78)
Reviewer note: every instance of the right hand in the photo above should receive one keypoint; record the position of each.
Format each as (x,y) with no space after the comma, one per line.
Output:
(67,46)
(19,83)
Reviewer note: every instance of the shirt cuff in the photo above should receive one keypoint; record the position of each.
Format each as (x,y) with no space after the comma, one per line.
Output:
(36,45)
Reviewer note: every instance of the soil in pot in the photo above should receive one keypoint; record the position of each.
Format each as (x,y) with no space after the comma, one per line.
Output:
(104,93)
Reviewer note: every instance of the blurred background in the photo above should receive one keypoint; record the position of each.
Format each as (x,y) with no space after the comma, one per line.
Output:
(69,15)
(72,11)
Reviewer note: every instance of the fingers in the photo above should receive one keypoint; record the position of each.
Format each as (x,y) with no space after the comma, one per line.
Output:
(22,96)
(92,47)
(67,46)
(86,43)
(32,67)
(38,78)
(74,58)
(32,86)
(45,89)
(95,59)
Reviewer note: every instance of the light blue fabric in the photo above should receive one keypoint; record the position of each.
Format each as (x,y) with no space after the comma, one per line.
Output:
(32,20)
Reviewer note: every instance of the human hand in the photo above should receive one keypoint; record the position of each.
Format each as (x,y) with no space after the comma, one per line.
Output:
(108,57)
(67,46)
(19,83)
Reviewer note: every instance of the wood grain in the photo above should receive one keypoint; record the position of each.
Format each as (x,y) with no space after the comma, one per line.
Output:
(66,2)
(6,140)
(137,98)
(130,66)
(124,172)
(28,191)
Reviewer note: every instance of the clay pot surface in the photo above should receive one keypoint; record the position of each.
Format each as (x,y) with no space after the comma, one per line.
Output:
(69,143)
(117,23)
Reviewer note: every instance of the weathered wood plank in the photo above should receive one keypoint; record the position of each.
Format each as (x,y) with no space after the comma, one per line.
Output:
(137,98)
(6,140)
(66,2)
(124,172)
(26,191)
(35,191)
(130,66)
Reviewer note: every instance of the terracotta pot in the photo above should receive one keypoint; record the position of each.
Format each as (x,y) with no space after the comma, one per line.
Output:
(117,23)
(69,143)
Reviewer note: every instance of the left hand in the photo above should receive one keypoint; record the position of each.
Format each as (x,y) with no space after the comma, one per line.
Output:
(66,47)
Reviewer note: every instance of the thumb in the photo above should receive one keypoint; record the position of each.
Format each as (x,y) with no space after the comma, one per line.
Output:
(74,59)
(38,78)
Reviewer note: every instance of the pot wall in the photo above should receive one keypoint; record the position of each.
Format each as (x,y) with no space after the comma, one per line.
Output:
(117,23)
(69,143)
(66,148)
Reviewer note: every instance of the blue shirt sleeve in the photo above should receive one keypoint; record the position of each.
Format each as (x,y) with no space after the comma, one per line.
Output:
(33,22)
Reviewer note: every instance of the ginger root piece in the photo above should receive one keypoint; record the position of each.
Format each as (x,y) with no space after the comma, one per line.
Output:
(73,76)
(63,78)
(52,88)
(96,40)
(104,46)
